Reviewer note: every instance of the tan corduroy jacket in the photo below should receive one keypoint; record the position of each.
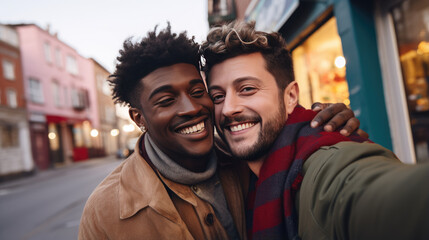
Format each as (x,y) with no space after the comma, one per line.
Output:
(133,203)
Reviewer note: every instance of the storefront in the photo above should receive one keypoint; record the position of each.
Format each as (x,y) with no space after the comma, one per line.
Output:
(403,30)
(15,151)
(334,48)
(320,67)
(70,139)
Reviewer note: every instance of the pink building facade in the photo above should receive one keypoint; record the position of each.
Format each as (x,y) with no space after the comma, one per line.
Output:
(60,95)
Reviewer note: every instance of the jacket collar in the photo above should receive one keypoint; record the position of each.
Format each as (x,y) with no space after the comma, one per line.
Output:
(182,191)
(140,187)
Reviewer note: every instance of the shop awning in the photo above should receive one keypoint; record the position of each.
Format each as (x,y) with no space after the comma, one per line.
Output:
(59,119)
(270,15)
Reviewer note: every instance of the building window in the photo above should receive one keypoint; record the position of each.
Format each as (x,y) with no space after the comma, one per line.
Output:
(320,67)
(8,70)
(220,11)
(109,114)
(106,88)
(99,79)
(11,98)
(79,99)
(47,50)
(71,65)
(8,136)
(56,94)
(103,84)
(58,58)
(36,91)
(9,35)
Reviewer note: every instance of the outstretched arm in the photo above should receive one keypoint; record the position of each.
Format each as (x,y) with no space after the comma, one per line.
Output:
(361,191)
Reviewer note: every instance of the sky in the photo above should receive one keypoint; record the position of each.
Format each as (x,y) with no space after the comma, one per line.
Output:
(97,28)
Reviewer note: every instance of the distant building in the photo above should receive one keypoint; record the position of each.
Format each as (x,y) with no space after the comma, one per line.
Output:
(108,136)
(61,98)
(15,151)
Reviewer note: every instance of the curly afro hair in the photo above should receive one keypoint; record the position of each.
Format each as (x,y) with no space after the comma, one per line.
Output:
(137,60)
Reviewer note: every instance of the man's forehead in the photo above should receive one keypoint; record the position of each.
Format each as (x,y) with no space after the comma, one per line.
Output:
(180,72)
(246,66)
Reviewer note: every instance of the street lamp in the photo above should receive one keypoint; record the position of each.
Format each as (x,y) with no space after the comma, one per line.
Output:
(114,132)
(52,135)
(94,132)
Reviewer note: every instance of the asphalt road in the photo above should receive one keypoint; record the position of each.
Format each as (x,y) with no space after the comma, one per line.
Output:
(48,205)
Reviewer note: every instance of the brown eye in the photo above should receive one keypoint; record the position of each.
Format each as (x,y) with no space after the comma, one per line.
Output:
(198,93)
(165,101)
(217,98)
(248,90)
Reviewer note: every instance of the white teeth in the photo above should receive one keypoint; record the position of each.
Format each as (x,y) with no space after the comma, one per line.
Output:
(241,127)
(193,129)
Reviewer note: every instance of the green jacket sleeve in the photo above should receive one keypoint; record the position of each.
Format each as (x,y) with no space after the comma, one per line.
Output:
(362,191)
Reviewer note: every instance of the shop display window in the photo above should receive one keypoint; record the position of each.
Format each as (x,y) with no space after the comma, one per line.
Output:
(320,67)
(411,21)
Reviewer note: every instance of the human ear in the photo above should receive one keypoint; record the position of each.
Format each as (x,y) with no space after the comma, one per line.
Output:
(291,95)
(137,116)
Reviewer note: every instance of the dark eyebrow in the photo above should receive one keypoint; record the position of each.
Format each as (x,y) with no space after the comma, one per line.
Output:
(214,88)
(168,87)
(160,89)
(235,82)
(196,81)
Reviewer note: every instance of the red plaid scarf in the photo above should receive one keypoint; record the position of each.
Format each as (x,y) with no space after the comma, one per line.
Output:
(271,213)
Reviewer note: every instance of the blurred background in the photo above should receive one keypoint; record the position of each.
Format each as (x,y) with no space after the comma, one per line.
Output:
(61,133)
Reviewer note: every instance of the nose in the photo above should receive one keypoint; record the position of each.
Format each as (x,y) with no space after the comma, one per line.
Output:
(231,106)
(189,106)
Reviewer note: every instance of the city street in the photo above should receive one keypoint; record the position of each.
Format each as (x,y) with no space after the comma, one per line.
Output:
(48,205)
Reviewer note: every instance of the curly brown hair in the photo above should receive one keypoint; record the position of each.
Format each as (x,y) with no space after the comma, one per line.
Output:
(238,38)
(136,60)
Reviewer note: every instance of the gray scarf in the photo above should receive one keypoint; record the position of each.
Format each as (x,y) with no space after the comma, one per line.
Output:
(173,171)
(208,184)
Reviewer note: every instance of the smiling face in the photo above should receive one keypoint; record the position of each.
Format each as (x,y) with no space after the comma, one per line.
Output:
(177,111)
(250,110)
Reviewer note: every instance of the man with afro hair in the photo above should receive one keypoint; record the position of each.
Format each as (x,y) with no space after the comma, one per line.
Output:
(175,184)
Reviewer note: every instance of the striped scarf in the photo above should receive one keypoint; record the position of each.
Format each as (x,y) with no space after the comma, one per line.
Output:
(270,207)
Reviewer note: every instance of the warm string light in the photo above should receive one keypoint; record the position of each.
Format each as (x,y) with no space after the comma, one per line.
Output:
(114,132)
(94,133)
(340,62)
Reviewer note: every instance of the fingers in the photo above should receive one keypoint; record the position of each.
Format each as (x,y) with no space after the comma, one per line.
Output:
(317,106)
(351,126)
(327,113)
(362,133)
(336,115)
(344,117)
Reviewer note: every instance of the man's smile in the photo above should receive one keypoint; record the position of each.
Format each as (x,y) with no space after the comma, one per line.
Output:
(240,126)
(197,128)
